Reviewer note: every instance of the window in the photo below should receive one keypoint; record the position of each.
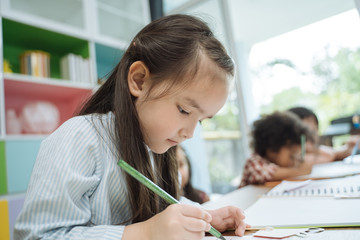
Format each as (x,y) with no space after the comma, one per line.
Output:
(223,140)
(317,66)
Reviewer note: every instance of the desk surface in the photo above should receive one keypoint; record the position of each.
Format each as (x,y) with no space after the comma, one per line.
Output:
(246,196)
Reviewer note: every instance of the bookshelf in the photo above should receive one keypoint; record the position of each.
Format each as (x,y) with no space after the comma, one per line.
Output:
(97,30)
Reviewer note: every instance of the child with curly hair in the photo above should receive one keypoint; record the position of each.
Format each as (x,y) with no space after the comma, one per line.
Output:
(276,143)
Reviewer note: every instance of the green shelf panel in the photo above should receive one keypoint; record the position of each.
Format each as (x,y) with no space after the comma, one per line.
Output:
(3,177)
(106,59)
(19,37)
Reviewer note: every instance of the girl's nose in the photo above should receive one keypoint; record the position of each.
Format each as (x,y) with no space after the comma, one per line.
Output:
(188,131)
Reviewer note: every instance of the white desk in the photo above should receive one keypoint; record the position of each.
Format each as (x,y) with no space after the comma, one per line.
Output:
(246,196)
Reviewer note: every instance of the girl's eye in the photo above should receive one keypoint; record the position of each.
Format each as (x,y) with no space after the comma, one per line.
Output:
(182,111)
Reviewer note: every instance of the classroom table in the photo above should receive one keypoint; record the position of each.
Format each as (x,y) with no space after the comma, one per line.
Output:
(246,196)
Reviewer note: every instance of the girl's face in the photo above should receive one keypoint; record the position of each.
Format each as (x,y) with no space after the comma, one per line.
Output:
(183,166)
(311,123)
(169,120)
(287,156)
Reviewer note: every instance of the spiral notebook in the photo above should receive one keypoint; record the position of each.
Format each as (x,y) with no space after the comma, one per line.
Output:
(316,203)
(347,187)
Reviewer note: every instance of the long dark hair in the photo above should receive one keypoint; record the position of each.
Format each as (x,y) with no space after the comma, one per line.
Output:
(170,48)
(189,191)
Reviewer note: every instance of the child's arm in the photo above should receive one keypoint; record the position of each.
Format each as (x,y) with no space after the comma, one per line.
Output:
(324,154)
(288,172)
(346,149)
(320,154)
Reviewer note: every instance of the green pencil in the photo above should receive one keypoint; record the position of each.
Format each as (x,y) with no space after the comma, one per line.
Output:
(156,189)
(303,147)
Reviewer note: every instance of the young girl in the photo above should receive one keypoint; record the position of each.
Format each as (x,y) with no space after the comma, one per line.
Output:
(187,190)
(322,153)
(276,142)
(174,74)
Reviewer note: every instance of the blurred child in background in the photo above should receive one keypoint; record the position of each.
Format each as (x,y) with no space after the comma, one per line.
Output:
(322,153)
(187,190)
(276,144)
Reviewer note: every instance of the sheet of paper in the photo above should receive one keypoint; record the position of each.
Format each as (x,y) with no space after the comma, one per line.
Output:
(294,212)
(229,238)
(352,159)
(287,186)
(280,233)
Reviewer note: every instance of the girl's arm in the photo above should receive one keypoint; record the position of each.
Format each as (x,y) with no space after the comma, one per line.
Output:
(60,196)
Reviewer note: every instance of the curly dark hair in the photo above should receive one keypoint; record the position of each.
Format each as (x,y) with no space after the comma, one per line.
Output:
(276,130)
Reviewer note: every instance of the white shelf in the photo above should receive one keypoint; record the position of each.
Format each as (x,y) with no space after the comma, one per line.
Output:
(58,28)
(17,137)
(48,24)
(47,81)
(13,196)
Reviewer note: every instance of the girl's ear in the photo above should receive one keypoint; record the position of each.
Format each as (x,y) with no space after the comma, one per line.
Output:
(138,75)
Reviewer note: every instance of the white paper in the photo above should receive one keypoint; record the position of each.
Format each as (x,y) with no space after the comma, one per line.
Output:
(287,186)
(229,238)
(280,212)
(280,233)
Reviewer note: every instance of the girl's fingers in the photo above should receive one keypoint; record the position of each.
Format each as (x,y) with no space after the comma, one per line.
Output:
(195,212)
(230,217)
(240,229)
(196,225)
(193,235)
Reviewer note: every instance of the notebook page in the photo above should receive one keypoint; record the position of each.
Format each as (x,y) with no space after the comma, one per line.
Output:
(303,212)
(229,238)
(328,187)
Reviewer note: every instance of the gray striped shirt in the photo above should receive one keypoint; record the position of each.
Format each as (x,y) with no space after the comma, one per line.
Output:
(76,190)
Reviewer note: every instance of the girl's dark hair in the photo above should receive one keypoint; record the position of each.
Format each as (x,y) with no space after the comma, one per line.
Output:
(171,48)
(189,191)
(303,112)
(277,130)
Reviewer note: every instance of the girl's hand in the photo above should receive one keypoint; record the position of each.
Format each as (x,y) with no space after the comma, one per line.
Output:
(229,218)
(306,167)
(178,221)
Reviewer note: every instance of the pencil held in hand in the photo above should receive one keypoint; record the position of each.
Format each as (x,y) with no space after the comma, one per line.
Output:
(156,189)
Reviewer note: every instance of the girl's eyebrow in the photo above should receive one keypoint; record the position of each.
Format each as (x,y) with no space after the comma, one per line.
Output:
(194,104)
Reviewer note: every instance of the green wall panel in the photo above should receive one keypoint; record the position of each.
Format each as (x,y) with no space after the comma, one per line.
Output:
(3,182)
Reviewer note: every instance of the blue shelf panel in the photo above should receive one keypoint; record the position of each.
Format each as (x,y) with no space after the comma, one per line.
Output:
(106,59)
(20,159)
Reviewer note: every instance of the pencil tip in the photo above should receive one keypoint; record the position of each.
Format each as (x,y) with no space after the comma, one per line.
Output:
(222,238)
